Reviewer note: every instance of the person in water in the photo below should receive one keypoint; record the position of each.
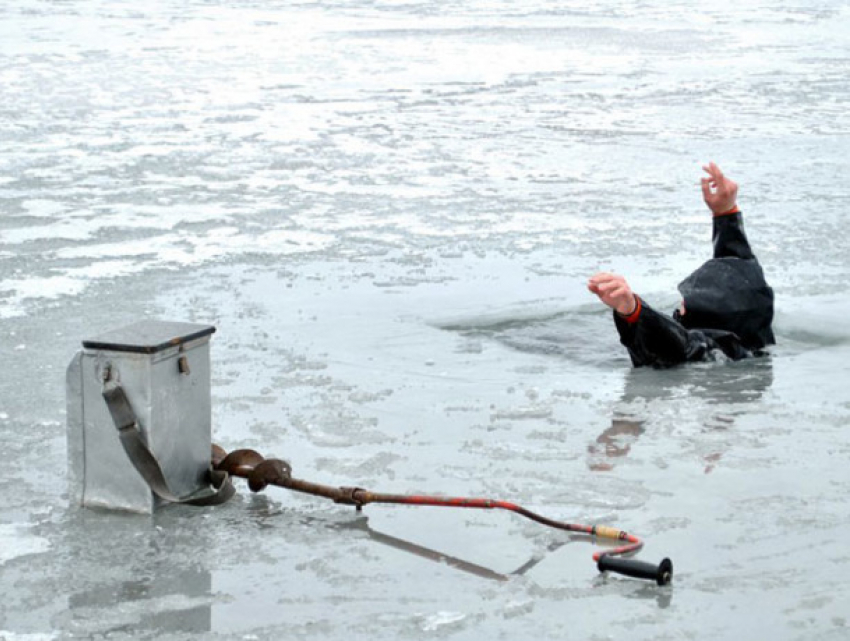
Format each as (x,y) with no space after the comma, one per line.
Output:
(727,305)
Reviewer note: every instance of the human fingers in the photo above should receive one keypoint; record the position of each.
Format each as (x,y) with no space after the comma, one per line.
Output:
(598,279)
(604,289)
(723,183)
(705,183)
(620,298)
(620,293)
(714,169)
(612,285)
(715,173)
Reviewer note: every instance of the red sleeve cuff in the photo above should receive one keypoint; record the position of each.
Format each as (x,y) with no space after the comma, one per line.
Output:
(633,317)
(734,210)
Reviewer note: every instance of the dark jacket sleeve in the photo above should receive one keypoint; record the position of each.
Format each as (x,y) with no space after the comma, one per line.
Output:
(657,340)
(729,238)
(653,339)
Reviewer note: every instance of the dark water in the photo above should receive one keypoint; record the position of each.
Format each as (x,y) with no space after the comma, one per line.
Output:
(389,211)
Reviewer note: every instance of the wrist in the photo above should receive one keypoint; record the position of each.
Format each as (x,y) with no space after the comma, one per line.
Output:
(630,313)
(728,211)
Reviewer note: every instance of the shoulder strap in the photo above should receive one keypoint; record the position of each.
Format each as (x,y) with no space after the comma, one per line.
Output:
(220,489)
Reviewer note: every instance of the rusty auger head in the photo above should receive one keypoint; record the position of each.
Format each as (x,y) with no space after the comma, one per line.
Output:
(270,472)
(251,465)
(218,454)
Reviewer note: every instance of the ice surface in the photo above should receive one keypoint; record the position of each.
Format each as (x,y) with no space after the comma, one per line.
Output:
(15,542)
(389,210)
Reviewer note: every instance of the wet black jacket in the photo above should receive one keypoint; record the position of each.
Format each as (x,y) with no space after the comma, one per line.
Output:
(728,308)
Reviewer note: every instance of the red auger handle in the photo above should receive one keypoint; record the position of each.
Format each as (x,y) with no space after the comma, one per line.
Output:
(661,573)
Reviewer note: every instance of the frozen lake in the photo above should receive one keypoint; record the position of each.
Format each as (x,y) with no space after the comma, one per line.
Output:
(389,210)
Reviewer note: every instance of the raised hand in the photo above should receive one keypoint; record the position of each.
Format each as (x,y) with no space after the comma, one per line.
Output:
(719,192)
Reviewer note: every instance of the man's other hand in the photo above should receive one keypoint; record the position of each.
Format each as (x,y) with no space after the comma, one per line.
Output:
(614,291)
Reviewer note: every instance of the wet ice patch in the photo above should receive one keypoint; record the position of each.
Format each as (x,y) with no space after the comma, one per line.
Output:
(441,620)
(16,541)
(521,413)
(170,251)
(137,613)
(816,321)
(14,292)
(73,229)
(42,208)
(542,330)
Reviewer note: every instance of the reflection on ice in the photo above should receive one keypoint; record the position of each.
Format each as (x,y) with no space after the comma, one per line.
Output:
(16,541)
(167,603)
(715,393)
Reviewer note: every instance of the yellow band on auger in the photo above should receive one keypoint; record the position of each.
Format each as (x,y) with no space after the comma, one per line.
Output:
(606,532)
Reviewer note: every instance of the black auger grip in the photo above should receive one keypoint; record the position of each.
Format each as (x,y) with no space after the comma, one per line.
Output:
(661,574)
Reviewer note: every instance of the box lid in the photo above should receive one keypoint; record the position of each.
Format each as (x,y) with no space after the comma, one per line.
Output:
(148,336)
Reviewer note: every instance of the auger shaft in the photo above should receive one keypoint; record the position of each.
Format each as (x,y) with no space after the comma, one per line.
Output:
(261,472)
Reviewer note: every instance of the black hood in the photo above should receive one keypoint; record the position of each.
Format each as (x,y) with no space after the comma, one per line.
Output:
(729,294)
